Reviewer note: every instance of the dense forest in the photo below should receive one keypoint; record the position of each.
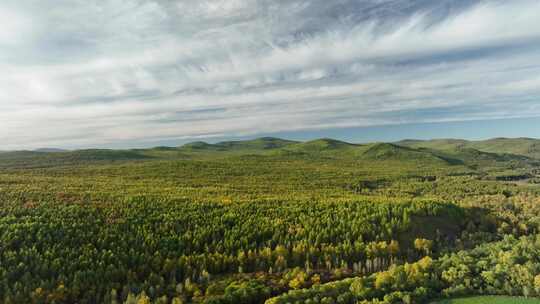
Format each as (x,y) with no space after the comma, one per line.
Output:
(271,221)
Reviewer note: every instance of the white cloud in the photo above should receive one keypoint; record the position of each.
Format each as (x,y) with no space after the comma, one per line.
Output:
(81,73)
(16,27)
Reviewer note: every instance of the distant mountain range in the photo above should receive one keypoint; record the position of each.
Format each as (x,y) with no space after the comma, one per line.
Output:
(50,150)
(520,146)
(528,147)
(443,151)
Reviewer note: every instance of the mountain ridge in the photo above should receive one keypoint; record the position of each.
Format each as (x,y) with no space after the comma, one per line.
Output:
(475,154)
(524,146)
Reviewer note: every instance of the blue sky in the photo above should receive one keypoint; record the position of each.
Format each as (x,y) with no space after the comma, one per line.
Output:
(470,130)
(133,73)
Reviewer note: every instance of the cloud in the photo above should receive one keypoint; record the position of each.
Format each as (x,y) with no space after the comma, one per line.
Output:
(14,25)
(84,73)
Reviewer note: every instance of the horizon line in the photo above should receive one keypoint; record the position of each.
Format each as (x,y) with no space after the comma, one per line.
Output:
(60,150)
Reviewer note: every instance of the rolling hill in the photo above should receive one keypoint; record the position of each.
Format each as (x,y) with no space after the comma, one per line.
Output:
(387,151)
(263,143)
(500,154)
(321,145)
(529,147)
(31,159)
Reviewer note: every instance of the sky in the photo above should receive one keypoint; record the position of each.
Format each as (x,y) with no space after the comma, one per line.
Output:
(137,73)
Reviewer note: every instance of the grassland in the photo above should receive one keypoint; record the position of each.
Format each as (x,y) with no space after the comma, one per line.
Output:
(490,300)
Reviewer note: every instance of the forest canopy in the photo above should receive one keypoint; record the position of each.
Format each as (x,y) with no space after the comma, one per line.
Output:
(269,220)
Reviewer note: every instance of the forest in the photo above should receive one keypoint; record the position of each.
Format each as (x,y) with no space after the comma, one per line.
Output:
(272,221)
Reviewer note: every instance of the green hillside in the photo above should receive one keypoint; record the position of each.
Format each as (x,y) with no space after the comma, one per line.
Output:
(486,161)
(520,146)
(43,159)
(440,144)
(387,151)
(264,143)
(441,154)
(321,145)
(198,145)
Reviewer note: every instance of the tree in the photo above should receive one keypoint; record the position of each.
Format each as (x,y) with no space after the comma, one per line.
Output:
(143,299)
(423,245)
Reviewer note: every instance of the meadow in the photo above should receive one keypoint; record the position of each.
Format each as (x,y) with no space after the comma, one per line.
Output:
(490,300)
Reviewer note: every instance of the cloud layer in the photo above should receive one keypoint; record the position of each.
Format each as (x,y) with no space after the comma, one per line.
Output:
(79,73)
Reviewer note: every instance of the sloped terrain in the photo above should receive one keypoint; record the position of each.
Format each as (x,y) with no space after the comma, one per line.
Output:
(529,147)
(387,152)
(321,145)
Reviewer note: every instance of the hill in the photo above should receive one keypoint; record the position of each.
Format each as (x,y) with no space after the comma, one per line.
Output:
(263,143)
(50,150)
(520,146)
(45,159)
(197,145)
(99,155)
(439,144)
(499,154)
(529,147)
(387,151)
(321,145)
